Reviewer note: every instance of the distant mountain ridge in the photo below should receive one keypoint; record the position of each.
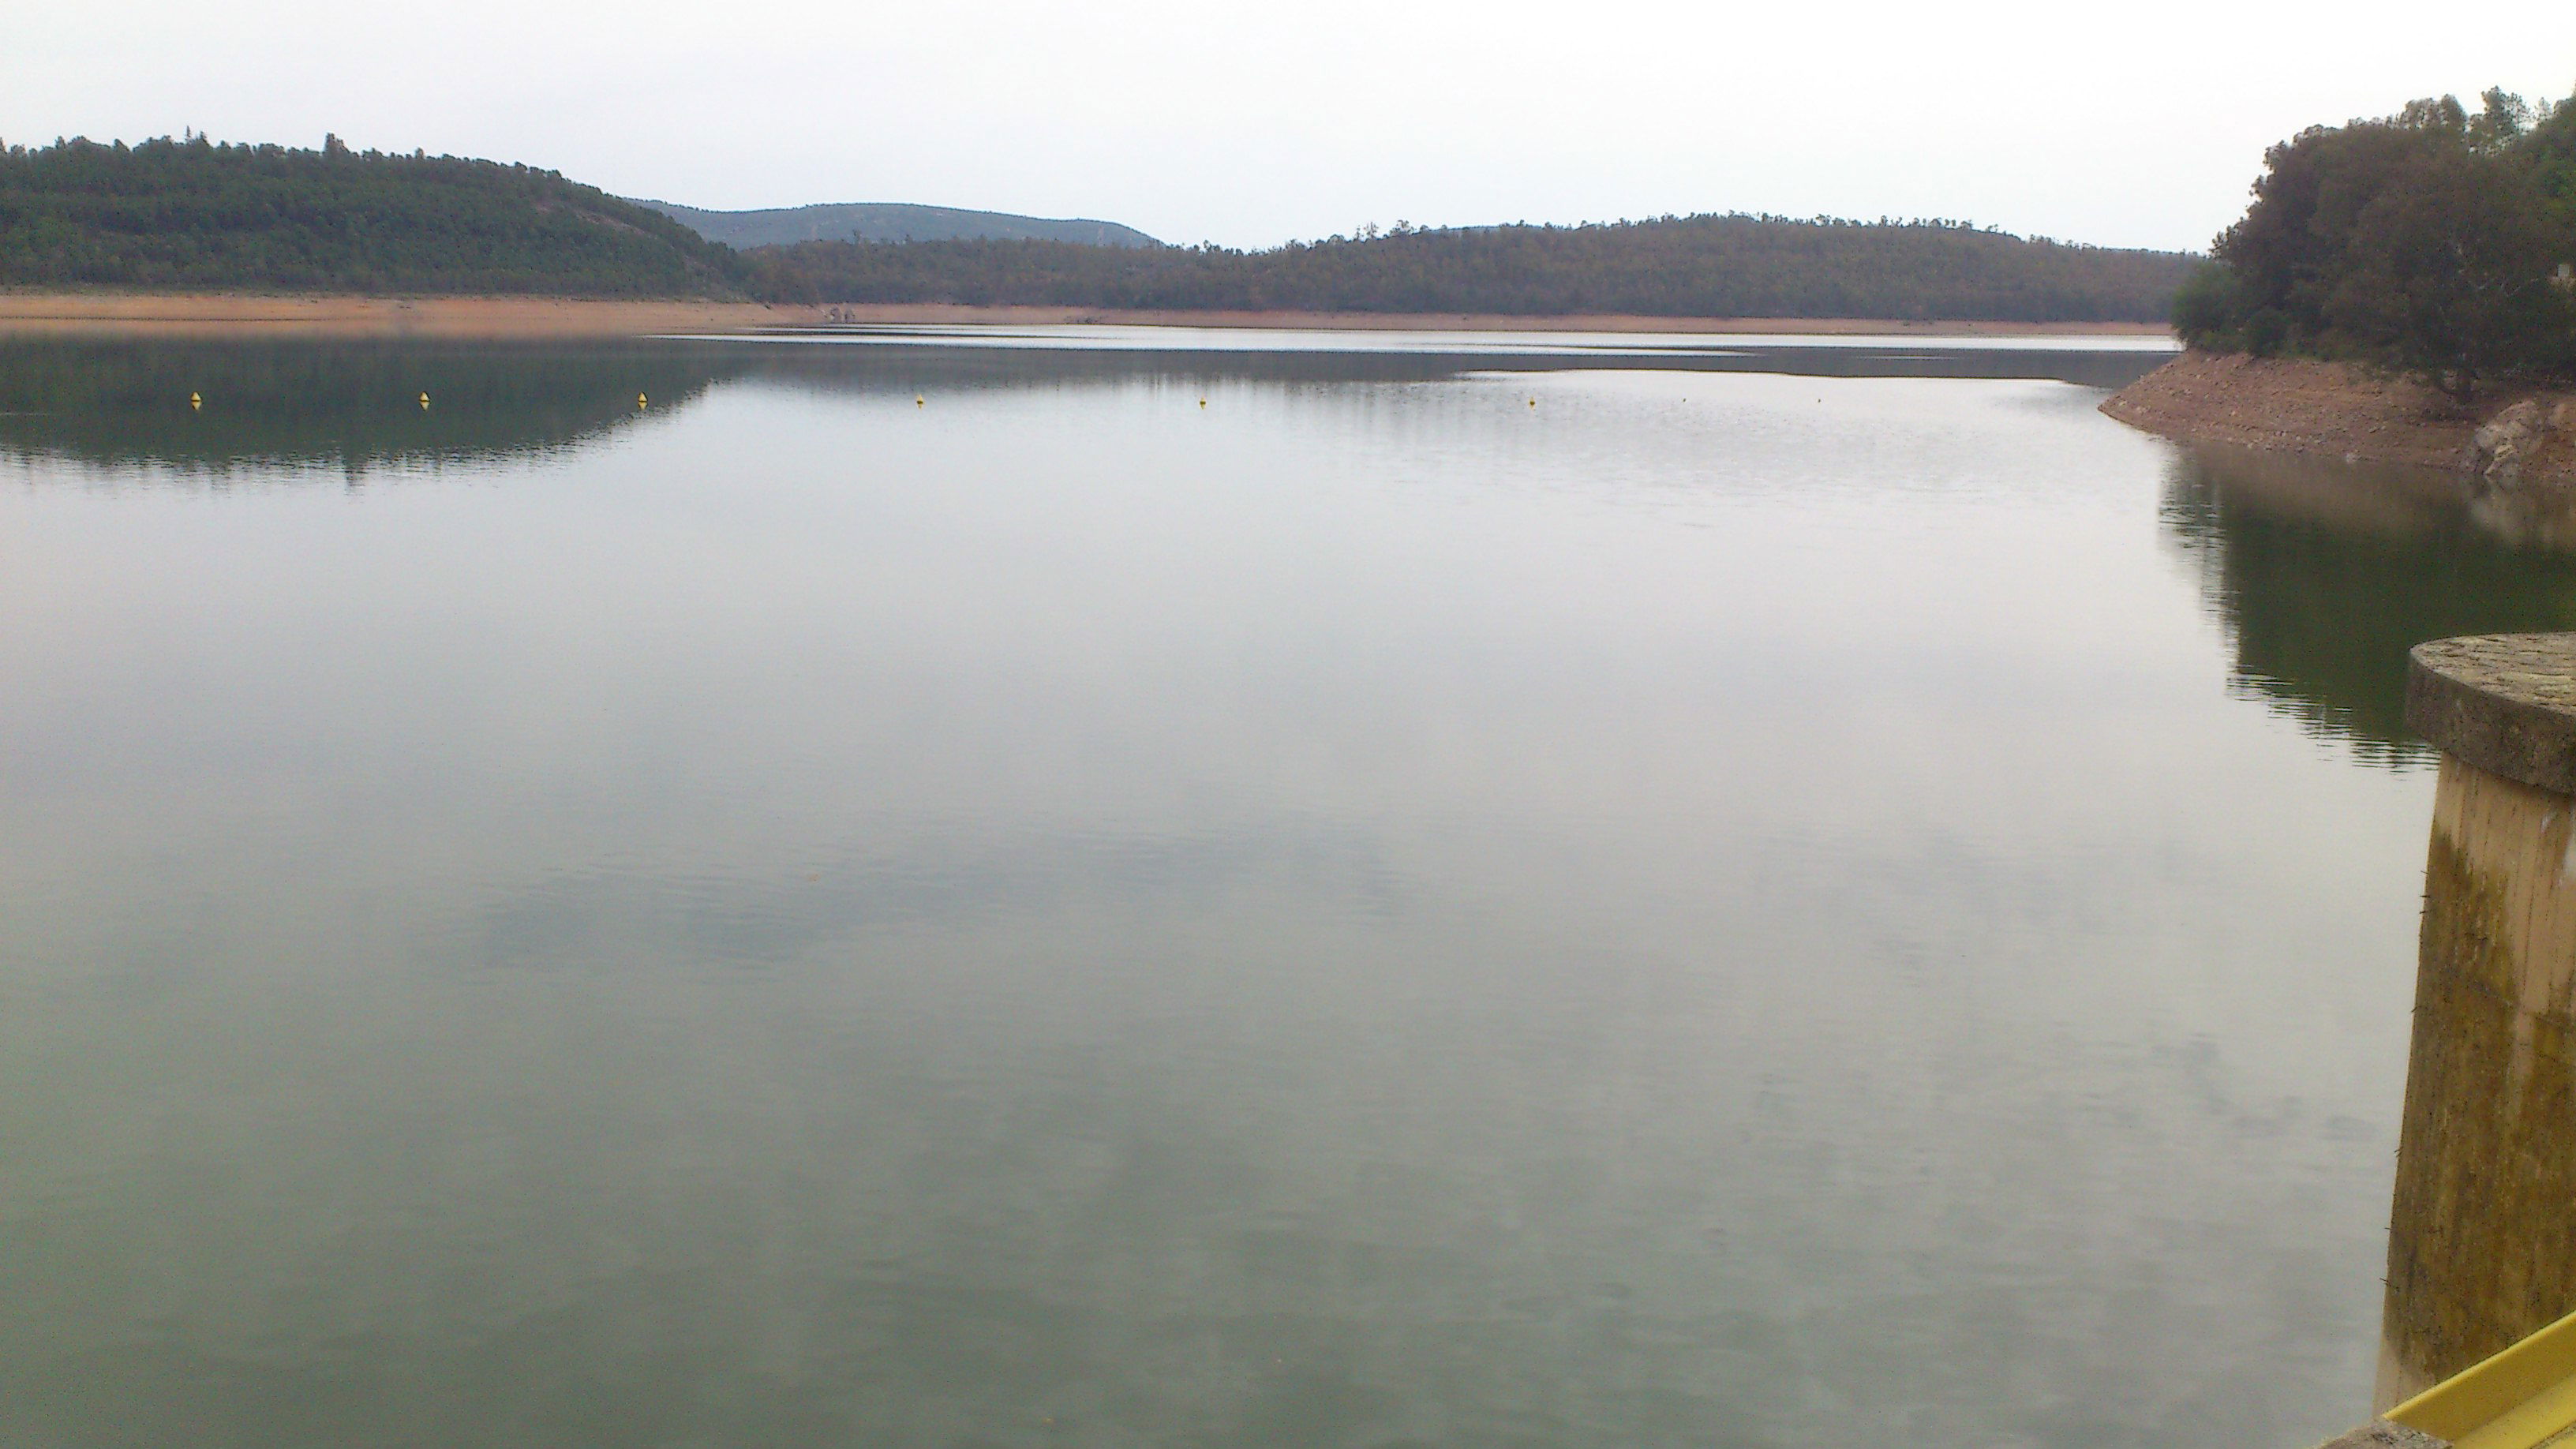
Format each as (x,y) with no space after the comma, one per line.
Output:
(889,221)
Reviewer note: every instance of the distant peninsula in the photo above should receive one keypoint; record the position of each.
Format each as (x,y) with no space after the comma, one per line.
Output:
(890,221)
(188,216)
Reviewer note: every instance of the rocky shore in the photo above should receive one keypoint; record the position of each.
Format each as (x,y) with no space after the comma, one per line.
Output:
(2509,442)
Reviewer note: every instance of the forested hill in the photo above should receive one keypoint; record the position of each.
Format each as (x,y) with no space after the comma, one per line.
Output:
(192,215)
(888,221)
(1697,266)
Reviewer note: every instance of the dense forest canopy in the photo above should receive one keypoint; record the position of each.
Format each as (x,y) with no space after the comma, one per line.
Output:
(1697,266)
(2433,241)
(191,215)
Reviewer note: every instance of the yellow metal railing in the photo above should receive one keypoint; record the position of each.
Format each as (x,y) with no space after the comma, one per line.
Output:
(2522,1398)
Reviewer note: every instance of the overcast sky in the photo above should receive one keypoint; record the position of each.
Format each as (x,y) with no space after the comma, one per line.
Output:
(2135,125)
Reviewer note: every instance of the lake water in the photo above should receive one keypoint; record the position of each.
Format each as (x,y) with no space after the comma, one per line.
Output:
(1077,889)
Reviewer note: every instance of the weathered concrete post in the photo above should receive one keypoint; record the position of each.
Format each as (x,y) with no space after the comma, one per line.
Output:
(2482,1235)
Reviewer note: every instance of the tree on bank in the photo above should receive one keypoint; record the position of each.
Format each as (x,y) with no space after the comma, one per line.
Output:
(2427,242)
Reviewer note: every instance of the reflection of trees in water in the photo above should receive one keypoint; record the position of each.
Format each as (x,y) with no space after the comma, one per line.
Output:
(350,405)
(1365,357)
(2326,574)
(338,405)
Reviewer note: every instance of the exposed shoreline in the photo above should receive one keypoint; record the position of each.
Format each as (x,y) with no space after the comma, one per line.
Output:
(2329,410)
(238,315)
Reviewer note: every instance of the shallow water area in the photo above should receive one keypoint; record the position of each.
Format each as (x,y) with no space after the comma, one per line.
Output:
(1183,890)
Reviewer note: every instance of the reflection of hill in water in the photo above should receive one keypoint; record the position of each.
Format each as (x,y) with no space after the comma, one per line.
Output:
(305,404)
(2327,574)
(352,405)
(924,356)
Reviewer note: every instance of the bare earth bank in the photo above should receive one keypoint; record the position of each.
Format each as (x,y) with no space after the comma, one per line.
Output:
(237,315)
(2326,409)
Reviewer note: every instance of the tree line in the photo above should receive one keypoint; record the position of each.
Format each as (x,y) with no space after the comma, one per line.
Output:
(1697,266)
(189,214)
(2434,241)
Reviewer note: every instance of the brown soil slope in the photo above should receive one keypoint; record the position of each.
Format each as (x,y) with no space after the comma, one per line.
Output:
(2323,409)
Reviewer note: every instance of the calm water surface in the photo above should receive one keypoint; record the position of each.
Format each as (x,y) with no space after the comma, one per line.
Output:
(1706,894)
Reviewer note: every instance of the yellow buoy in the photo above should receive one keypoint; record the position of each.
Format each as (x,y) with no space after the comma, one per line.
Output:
(1202,402)
(639,402)
(424,402)
(918,399)
(196,403)
(1533,402)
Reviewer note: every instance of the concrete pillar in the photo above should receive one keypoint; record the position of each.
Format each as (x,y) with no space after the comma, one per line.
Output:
(2482,1234)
